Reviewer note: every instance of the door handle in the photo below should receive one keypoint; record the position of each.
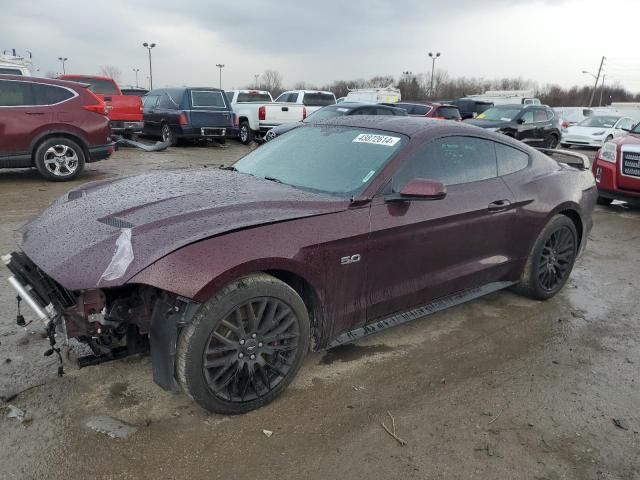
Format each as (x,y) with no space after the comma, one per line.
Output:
(499,205)
(34,113)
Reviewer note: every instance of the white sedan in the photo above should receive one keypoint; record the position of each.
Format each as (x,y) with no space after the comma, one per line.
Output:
(595,130)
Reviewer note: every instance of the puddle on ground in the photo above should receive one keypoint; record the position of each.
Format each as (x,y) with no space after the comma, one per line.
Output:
(350,353)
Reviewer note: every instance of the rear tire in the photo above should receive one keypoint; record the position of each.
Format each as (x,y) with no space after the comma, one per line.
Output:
(604,200)
(551,142)
(253,336)
(551,260)
(246,134)
(59,159)
(168,135)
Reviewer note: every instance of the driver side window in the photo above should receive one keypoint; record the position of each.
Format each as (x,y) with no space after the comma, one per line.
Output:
(450,160)
(527,117)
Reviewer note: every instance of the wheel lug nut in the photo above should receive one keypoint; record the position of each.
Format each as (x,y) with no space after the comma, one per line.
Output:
(253,335)
(242,342)
(253,357)
(241,355)
(260,344)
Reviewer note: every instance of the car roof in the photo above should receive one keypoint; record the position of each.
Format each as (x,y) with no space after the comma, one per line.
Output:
(48,81)
(308,91)
(80,75)
(409,126)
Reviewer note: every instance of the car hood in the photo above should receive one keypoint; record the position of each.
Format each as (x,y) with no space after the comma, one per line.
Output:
(576,130)
(487,123)
(74,240)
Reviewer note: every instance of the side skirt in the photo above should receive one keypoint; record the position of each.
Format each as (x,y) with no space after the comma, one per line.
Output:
(419,312)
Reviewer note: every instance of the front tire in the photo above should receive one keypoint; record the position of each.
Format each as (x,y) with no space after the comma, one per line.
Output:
(244,345)
(551,260)
(59,159)
(246,134)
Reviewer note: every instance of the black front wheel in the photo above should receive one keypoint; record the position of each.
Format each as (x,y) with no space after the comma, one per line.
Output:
(551,259)
(244,345)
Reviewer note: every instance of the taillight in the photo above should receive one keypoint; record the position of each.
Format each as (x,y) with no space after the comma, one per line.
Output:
(304,113)
(97,108)
(565,125)
(262,113)
(235,120)
(183,120)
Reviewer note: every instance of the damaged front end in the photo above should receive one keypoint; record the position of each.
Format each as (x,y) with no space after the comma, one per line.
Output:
(113,322)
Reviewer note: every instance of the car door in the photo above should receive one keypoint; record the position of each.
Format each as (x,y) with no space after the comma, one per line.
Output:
(150,115)
(527,129)
(20,118)
(420,251)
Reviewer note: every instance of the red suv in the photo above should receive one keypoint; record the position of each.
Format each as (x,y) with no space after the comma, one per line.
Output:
(53,125)
(441,111)
(617,169)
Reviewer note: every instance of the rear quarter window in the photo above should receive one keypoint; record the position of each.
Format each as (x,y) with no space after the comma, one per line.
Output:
(510,160)
(450,113)
(208,99)
(50,94)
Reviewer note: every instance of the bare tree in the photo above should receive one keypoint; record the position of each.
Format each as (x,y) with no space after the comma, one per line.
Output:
(111,71)
(272,80)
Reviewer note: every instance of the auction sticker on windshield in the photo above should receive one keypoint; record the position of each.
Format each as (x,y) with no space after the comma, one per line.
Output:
(376,139)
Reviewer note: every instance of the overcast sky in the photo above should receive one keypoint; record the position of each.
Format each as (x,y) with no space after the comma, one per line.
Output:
(320,41)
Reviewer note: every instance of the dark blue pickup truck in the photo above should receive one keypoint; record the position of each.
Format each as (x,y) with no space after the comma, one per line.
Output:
(188,113)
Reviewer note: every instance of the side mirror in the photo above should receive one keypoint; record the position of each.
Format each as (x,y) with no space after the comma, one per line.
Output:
(520,121)
(419,189)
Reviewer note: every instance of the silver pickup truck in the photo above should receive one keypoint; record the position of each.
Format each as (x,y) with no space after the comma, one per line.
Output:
(258,113)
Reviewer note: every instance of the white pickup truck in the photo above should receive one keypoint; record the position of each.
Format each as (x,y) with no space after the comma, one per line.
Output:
(258,113)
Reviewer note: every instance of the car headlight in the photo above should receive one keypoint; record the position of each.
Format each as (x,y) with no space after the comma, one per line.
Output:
(609,152)
(597,134)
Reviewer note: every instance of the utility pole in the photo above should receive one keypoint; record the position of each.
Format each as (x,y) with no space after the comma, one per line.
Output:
(220,66)
(257,75)
(62,60)
(433,69)
(149,46)
(595,86)
(602,90)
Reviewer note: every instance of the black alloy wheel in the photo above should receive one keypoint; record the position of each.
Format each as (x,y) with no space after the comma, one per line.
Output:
(252,350)
(556,259)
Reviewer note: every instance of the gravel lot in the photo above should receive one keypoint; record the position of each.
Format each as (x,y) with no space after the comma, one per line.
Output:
(501,388)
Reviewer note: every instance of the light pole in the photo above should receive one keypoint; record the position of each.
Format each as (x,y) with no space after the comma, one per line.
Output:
(257,76)
(220,66)
(62,60)
(433,69)
(149,46)
(136,70)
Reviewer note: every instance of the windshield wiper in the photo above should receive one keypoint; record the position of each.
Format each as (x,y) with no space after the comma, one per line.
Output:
(230,167)
(274,179)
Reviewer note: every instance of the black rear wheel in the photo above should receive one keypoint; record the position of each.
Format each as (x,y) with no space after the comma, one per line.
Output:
(551,259)
(244,346)
(551,141)
(168,135)
(246,134)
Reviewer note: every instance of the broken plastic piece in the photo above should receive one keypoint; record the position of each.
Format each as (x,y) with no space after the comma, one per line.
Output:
(121,259)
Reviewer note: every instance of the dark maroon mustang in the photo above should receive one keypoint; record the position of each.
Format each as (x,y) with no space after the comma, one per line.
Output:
(332,232)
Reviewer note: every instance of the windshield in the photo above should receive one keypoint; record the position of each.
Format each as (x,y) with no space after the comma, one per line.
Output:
(599,122)
(331,159)
(99,85)
(324,113)
(499,114)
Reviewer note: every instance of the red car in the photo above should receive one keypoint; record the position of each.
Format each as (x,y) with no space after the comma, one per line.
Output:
(331,232)
(125,111)
(440,111)
(53,125)
(617,169)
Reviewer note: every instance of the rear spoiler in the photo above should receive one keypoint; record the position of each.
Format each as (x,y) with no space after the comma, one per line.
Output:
(571,158)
